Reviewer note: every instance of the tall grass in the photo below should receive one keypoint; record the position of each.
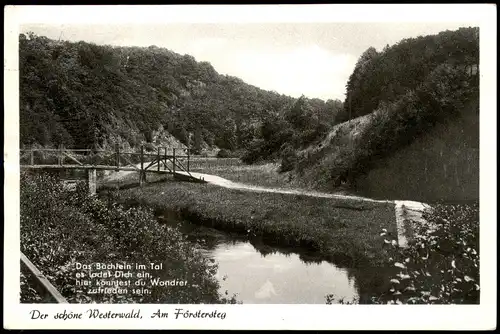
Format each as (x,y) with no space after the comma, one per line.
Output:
(344,231)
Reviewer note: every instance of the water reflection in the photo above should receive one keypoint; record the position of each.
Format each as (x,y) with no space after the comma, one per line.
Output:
(258,273)
(278,278)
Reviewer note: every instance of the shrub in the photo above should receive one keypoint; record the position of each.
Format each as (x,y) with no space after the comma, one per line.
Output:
(288,159)
(60,228)
(441,264)
(149,147)
(396,124)
(223,153)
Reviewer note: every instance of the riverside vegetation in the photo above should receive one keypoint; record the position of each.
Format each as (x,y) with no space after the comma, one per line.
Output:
(440,264)
(341,230)
(403,92)
(60,228)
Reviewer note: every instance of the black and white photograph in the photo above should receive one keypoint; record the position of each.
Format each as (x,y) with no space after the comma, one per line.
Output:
(233,163)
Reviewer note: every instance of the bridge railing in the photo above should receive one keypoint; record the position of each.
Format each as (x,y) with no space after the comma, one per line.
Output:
(162,159)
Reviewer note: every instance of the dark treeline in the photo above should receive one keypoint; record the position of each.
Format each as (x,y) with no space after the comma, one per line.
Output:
(86,95)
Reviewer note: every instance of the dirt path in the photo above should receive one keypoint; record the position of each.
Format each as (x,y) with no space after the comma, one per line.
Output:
(403,210)
(225,183)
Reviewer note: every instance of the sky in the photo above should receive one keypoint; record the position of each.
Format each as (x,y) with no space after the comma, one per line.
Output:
(313,59)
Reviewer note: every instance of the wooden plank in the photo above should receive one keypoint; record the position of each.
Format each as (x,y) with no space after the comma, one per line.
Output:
(141,173)
(158,159)
(189,178)
(180,164)
(100,167)
(42,283)
(60,155)
(166,167)
(173,161)
(117,156)
(130,163)
(165,159)
(69,156)
(150,164)
(57,149)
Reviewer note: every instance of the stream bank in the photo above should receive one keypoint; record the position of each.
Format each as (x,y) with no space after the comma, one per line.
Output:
(248,242)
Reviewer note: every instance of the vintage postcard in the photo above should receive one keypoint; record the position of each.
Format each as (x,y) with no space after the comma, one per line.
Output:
(250,167)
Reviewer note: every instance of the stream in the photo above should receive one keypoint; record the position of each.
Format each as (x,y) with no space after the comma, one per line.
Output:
(259,274)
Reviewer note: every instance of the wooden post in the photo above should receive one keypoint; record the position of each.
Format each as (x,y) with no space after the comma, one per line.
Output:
(165,165)
(141,173)
(117,149)
(92,181)
(60,158)
(32,157)
(173,161)
(158,159)
(188,159)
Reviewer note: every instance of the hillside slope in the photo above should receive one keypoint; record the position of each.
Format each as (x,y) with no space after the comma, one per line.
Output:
(384,153)
(84,95)
(441,165)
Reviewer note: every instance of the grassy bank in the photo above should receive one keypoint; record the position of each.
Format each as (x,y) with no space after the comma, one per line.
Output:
(264,175)
(60,228)
(344,231)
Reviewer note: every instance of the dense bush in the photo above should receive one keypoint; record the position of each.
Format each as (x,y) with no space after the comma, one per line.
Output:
(440,264)
(223,154)
(402,93)
(61,227)
(288,159)
(293,128)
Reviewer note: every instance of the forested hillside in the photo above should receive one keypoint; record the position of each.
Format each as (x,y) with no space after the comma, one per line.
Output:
(405,91)
(86,95)
(385,76)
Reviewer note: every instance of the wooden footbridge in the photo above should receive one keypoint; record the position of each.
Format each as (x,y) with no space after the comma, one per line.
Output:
(163,161)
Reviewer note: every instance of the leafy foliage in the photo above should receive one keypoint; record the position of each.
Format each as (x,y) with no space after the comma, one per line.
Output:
(82,95)
(384,76)
(293,128)
(60,228)
(441,264)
